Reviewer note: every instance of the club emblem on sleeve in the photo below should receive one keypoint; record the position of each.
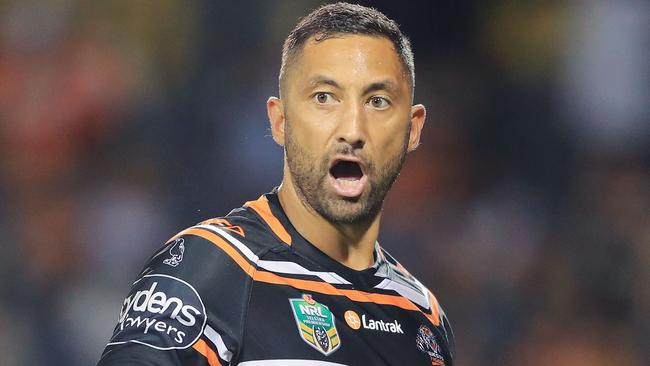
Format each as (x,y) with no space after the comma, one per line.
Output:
(315,324)
(176,253)
(426,343)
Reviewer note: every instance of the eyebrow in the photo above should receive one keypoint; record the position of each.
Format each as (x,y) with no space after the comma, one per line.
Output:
(320,79)
(386,84)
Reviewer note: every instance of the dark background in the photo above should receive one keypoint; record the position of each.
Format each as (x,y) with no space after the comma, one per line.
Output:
(526,209)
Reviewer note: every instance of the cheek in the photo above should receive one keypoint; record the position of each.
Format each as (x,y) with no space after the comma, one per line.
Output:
(312,129)
(390,140)
(310,138)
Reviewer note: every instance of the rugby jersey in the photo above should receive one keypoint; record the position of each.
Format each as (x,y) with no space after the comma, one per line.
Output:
(246,289)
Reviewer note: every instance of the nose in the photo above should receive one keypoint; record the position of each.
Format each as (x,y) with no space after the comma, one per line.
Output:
(352,126)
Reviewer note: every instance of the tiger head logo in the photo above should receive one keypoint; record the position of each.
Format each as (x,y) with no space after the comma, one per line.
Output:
(426,342)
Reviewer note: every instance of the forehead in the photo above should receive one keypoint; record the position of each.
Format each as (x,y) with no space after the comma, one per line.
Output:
(350,57)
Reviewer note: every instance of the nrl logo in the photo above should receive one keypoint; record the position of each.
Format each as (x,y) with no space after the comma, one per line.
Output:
(315,324)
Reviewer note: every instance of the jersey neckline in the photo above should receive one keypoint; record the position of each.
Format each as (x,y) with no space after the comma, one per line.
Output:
(365,278)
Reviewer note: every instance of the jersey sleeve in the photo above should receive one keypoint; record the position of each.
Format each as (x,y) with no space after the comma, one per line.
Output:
(186,307)
(449,336)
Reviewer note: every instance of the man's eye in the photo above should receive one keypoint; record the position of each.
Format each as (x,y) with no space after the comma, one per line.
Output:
(323,98)
(379,102)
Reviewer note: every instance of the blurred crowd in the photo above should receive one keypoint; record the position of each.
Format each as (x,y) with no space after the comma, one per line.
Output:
(526,209)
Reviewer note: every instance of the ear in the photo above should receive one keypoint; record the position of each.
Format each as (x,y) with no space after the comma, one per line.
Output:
(275,111)
(418,115)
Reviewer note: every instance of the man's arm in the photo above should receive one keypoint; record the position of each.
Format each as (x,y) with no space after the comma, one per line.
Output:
(185,308)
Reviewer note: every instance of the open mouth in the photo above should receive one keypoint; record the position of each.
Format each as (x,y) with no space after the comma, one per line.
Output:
(348,178)
(346,170)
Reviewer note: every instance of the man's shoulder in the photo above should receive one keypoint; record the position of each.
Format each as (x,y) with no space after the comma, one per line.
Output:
(220,247)
(195,286)
(241,236)
(399,279)
(397,273)
(212,258)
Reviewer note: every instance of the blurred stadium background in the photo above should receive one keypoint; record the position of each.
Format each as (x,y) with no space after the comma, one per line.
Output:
(526,209)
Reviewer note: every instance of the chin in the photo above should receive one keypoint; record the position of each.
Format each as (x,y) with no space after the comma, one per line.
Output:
(348,210)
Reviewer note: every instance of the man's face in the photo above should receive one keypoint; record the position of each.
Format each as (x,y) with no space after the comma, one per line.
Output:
(348,124)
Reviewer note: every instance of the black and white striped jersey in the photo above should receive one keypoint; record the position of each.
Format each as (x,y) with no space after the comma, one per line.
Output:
(248,290)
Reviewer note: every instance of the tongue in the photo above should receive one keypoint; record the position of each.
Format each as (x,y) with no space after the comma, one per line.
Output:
(349,187)
(348,179)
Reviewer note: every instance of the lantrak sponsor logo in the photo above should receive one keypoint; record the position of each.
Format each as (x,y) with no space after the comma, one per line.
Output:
(352,319)
(355,323)
(167,313)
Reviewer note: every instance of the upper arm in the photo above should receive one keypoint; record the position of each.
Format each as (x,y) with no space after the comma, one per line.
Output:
(186,306)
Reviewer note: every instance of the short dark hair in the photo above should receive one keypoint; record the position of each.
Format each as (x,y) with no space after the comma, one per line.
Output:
(332,20)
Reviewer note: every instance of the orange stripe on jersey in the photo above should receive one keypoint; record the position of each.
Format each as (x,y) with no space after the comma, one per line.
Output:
(218,221)
(434,304)
(314,286)
(434,317)
(354,295)
(225,246)
(223,223)
(261,206)
(201,347)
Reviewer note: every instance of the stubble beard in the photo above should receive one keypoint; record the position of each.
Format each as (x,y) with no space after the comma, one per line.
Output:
(310,179)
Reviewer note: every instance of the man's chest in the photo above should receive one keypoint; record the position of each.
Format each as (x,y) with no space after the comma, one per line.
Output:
(325,324)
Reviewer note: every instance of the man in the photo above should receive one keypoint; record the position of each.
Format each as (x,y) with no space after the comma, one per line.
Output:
(297,277)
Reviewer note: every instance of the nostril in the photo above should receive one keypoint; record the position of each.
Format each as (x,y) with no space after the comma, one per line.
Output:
(355,144)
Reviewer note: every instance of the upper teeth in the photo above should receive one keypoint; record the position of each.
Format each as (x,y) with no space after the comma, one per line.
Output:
(347,182)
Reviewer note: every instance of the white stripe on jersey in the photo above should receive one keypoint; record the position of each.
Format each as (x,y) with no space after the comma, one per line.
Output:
(242,248)
(275,266)
(294,268)
(289,363)
(405,291)
(215,338)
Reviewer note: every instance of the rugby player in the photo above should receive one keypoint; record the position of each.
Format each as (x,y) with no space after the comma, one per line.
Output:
(297,277)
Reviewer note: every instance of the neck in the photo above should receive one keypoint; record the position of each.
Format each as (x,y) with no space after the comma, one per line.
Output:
(350,244)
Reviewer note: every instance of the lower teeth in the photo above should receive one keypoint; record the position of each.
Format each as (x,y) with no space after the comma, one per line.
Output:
(347,183)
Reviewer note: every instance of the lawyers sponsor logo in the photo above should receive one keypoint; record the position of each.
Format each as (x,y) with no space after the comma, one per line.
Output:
(354,322)
(164,313)
(316,324)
